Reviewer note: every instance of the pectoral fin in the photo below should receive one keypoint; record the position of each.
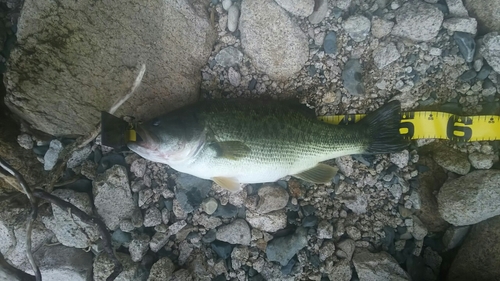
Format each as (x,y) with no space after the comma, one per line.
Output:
(231,149)
(230,184)
(320,173)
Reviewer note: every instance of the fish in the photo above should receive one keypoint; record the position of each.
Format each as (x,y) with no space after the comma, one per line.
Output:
(234,142)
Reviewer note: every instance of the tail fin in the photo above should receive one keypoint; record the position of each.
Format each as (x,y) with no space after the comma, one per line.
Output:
(383,129)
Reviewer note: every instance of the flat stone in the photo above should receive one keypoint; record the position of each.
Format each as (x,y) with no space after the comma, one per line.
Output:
(113,197)
(466,45)
(352,77)
(330,43)
(229,56)
(384,56)
(301,8)
(271,198)
(270,222)
(320,13)
(418,21)
(454,236)
(451,160)
(237,232)
(457,9)
(263,45)
(482,161)
(470,199)
(284,248)
(233,14)
(467,25)
(377,266)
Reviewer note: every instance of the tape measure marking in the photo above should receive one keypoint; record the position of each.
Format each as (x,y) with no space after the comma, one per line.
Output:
(435,124)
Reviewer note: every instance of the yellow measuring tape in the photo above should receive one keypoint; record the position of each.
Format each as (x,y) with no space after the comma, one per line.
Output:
(436,125)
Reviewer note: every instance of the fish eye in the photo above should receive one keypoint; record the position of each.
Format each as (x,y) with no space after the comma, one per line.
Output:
(156,122)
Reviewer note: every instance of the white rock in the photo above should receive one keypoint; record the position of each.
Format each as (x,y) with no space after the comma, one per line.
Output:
(25,141)
(347,247)
(381,27)
(318,15)
(419,229)
(152,217)
(482,161)
(377,266)
(209,205)
(343,4)
(229,56)
(457,9)
(232,18)
(418,21)
(270,222)
(325,230)
(470,199)
(491,50)
(234,77)
(271,198)
(226,4)
(237,232)
(383,56)
(467,25)
(358,27)
(301,8)
(51,156)
(452,160)
(278,54)
(138,247)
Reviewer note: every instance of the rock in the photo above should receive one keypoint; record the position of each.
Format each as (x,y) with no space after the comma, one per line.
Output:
(121,238)
(138,247)
(430,181)
(152,217)
(484,72)
(239,256)
(138,167)
(237,232)
(226,211)
(58,98)
(383,56)
(320,11)
(226,4)
(381,27)
(191,191)
(352,77)
(418,21)
(433,260)
(112,196)
(325,230)
(482,161)
(467,25)
(487,14)
(454,236)
(310,221)
(25,141)
(70,230)
(301,8)
(341,271)
(271,198)
(346,249)
(263,45)
(229,56)
(468,75)
(353,233)
(490,50)
(270,222)
(377,266)
(457,9)
(209,205)
(234,77)
(61,263)
(357,203)
(466,45)
(182,275)
(470,199)
(451,160)
(330,43)
(358,27)
(419,230)
(161,270)
(284,248)
(343,4)
(79,156)
(51,156)
(233,14)
(103,267)
(478,257)
(222,249)
(327,250)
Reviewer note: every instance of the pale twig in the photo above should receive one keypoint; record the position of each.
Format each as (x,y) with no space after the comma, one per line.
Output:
(33,216)
(136,84)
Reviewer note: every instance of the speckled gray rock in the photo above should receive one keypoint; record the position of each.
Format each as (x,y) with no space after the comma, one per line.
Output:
(352,77)
(358,27)
(68,228)
(451,160)
(320,13)
(491,50)
(237,232)
(377,266)
(161,270)
(229,56)
(263,45)
(209,205)
(25,141)
(51,156)
(470,199)
(271,198)
(152,217)
(112,196)
(419,230)
(270,222)
(457,9)
(103,267)
(418,21)
(79,156)
(454,235)
(482,161)
(487,14)
(346,249)
(381,27)
(301,8)
(284,248)
(233,14)
(60,99)
(341,271)
(384,56)
(138,247)
(478,257)
(468,25)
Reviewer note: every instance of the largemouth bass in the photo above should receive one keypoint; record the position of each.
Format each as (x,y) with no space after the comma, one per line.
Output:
(242,141)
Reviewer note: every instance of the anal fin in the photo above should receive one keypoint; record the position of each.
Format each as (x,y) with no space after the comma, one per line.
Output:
(320,173)
(230,184)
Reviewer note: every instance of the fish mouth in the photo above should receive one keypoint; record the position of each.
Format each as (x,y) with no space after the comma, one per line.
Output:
(144,140)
